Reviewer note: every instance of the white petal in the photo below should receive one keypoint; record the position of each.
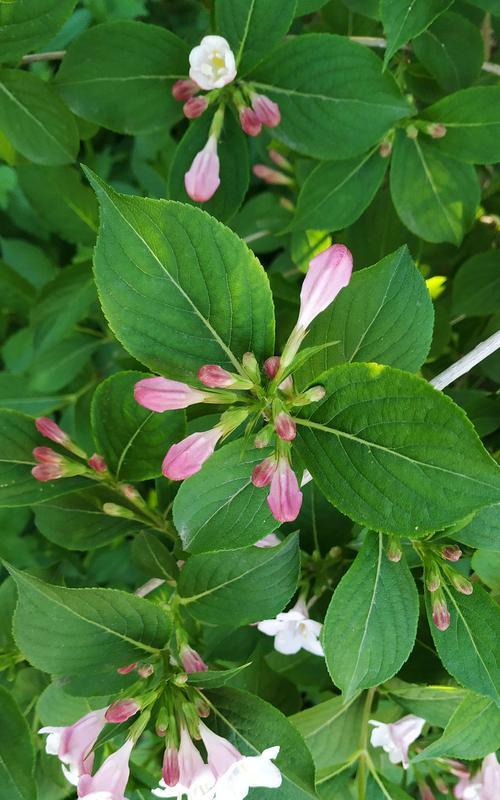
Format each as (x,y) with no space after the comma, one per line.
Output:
(53,741)
(380,736)
(71,773)
(313,645)
(270,626)
(232,785)
(271,752)
(287,642)
(260,771)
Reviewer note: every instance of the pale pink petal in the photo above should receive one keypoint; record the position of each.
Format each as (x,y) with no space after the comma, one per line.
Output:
(328,273)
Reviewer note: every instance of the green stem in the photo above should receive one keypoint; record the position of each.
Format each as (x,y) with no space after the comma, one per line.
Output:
(364,757)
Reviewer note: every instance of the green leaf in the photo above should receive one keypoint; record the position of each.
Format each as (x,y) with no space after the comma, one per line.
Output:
(65,205)
(334,101)
(486,564)
(62,303)
(119,75)
(404,21)
(69,632)
(18,438)
(132,439)
(56,707)
(436,704)
(483,530)
(375,319)
(382,595)
(379,788)
(472,732)
(441,50)
(393,453)
(178,288)
(252,725)
(214,679)
(18,395)
(234,166)
(472,120)
(476,288)
(252,27)
(17,294)
(28,24)
(151,555)
(17,756)
(220,508)
(77,522)
(331,731)
(243,586)
(56,366)
(468,648)
(336,193)
(36,120)
(435,196)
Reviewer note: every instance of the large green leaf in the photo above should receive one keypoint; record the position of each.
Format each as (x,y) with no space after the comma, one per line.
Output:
(435,196)
(132,439)
(220,508)
(119,75)
(404,21)
(179,289)
(35,119)
(472,732)
(472,120)
(28,24)
(476,288)
(483,530)
(242,586)
(252,27)
(375,319)
(335,193)
(252,725)
(441,50)
(436,704)
(17,756)
(469,646)
(69,632)
(383,597)
(234,166)
(18,438)
(331,731)
(393,453)
(334,101)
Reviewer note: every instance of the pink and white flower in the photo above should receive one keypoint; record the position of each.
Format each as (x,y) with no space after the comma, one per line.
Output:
(285,497)
(396,737)
(73,744)
(202,179)
(188,456)
(212,63)
(328,273)
(485,785)
(191,660)
(122,710)
(294,630)
(162,394)
(236,774)
(110,780)
(195,778)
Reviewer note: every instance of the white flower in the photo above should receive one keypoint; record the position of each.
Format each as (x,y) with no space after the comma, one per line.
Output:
(196,779)
(293,631)
(485,785)
(396,737)
(212,63)
(236,774)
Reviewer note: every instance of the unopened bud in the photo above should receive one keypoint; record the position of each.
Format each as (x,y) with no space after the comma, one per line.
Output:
(460,582)
(312,395)
(251,367)
(191,660)
(232,419)
(146,670)
(202,708)
(216,377)
(287,204)
(263,473)
(271,176)
(286,386)
(114,510)
(162,720)
(451,552)
(52,431)
(249,122)
(279,159)
(170,770)
(394,551)
(180,679)
(97,463)
(412,132)
(122,710)
(436,130)
(195,107)
(264,437)
(127,668)
(440,613)
(285,426)
(271,366)
(184,89)
(385,149)
(129,491)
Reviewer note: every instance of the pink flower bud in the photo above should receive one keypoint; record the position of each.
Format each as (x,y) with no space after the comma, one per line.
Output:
(271,176)
(191,660)
(202,708)
(440,613)
(451,552)
(264,437)
(215,377)
(285,497)
(250,122)
(51,430)
(279,159)
(286,386)
(328,273)
(184,89)
(162,394)
(385,149)
(202,179)
(97,463)
(394,551)
(195,107)
(47,472)
(436,130)
(127,668)
(267,111)
(170,771)
(271,366)
(188,456)
(122,710)
(45,455)
(146,670)
(285,426)
(262,473)
(460,582)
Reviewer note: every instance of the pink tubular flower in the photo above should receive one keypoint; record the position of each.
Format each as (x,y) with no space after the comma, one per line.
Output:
(195,107)
(250,122)
(271,540)
(202,179)
(328,273)
(97,463)
(440,612)
(122,710)
(285,426)
(216,377)
(196,779)
(51,430)
(47,472)
(184,89)
(262,473)
(188,456)
(271,366)
(73,744)
(45,455)
(162,394)
(110,780)
(271,176)
(170,770)
(266,110)
(285,497)
(396,737)
(236,774)
(191,660)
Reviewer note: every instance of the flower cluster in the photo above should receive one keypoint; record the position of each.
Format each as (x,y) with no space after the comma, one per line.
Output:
(483,785)
(213,67)
(439,573)
(257,397)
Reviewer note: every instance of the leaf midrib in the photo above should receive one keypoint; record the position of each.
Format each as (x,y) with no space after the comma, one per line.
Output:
(37,122)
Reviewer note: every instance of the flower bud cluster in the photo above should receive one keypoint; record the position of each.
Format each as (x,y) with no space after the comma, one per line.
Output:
(439,576)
